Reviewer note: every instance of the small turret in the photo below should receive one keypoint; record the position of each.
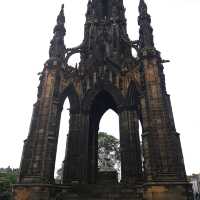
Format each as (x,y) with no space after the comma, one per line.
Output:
(146,31)
(57,48)
(90,9)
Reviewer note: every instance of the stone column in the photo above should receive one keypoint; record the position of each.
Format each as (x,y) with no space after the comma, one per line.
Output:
(38,159)
(51,141)
(92,151)
(162,150)
(25,167)
(72,169)
(131,164)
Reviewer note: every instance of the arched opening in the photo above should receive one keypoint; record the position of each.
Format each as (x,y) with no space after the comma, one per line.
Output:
(109,159)
(62,140)
(101,103)
(110,123)
(74,60)
(134,52)
(141,147)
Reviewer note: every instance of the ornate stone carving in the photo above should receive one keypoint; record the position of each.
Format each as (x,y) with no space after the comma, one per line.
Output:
(144,21)
(57,48)
(107,77)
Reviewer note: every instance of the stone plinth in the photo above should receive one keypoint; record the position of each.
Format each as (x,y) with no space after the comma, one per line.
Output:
(107,177)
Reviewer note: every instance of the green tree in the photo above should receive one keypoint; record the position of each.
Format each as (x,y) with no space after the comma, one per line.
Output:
(108,152)
(8,177)
(5,189)
(59,173)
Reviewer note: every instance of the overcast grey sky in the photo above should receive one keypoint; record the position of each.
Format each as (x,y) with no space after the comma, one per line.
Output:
(26,30)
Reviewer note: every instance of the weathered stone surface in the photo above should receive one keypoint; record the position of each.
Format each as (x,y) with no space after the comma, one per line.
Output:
(107,77)
(107,177)
(78,192)
(167,191)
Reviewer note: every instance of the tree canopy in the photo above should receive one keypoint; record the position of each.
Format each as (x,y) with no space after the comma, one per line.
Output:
(108,152)
(8,177)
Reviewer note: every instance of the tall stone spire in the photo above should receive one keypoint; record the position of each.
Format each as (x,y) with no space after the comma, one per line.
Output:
(106,40)
(90,9)
(146,31)
(57,48)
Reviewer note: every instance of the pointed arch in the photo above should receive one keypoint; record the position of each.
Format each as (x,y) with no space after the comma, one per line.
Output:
(133,99)
(70,171)
(98,103)
(114,92)
(71,93)
(133,93)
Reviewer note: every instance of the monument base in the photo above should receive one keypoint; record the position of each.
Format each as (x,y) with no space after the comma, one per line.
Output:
(107,177)
(167,191)
(149,191)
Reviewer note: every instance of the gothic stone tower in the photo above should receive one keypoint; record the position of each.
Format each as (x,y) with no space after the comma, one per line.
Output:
(107,77)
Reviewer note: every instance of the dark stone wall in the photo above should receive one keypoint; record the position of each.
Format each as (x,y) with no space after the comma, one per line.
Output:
(107,77)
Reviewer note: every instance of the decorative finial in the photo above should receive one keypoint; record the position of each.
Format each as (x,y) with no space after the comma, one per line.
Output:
(146,31)
(61,16)
(142,7)
(57,48)
(89,9)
